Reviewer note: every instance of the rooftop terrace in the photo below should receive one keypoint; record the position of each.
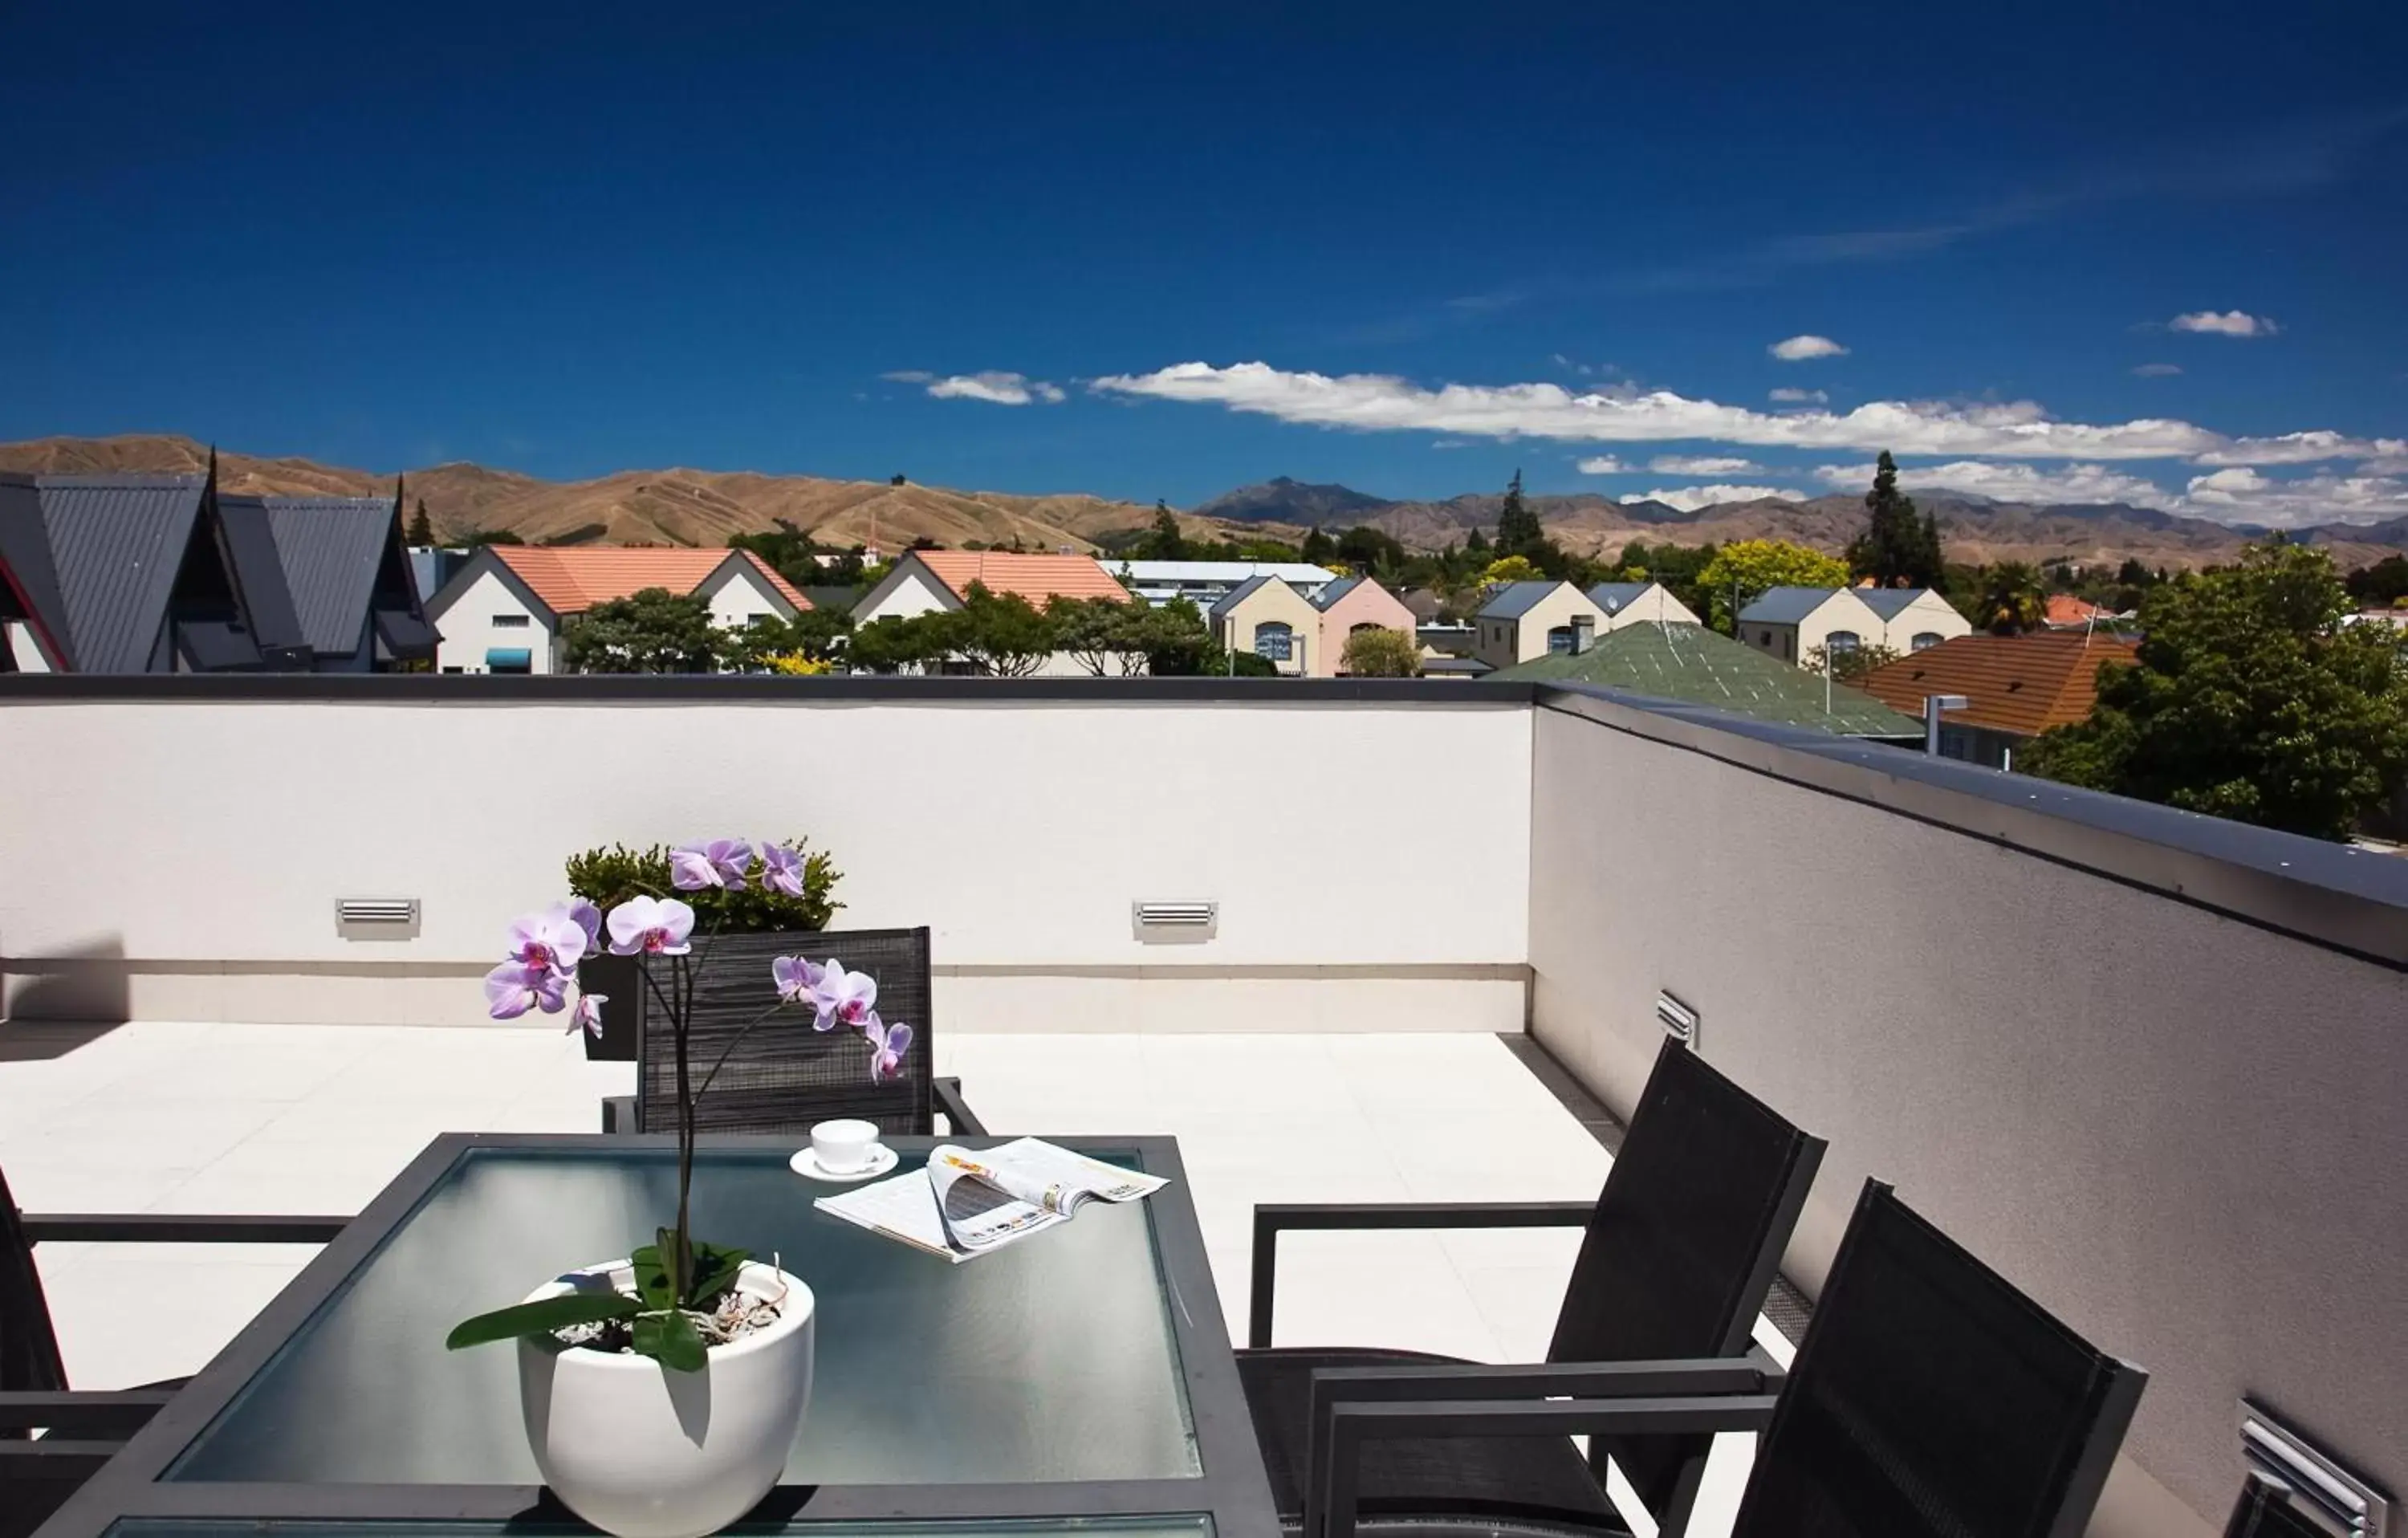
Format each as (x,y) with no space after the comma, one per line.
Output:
(2147,1064)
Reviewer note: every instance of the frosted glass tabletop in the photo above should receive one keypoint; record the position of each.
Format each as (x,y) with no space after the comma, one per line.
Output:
(1051,1360)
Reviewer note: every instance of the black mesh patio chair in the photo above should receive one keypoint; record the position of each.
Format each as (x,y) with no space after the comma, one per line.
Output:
(1929,1399)
(2265,1511)
(84,1430)
(1681,1248)
(784,1076)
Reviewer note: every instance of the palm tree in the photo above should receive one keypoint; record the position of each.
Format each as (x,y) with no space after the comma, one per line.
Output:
(2011,601)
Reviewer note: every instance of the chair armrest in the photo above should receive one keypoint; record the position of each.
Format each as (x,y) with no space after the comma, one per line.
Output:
(180,1229)
(957,1111)
(1336,1470)
(1272,1218)
(619,1114)
(81,1412)
(1457,1382)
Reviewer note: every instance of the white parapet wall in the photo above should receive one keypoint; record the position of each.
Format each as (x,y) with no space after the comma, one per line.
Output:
(172,859)
(2181,1130)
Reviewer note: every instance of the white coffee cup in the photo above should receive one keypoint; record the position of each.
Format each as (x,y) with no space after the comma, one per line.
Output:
(844,1146)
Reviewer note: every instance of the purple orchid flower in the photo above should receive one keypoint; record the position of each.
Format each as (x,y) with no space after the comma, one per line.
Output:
(887,1045)
(588,1013)
(797,980)
(842,998)
(515,987)
(782,869)
(652,926)
(588,918)
(722,862)
(553,939)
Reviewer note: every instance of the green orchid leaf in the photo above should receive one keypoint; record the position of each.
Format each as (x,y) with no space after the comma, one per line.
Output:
(542,1317)
(670,1340)
(652,1278)
(715,1270)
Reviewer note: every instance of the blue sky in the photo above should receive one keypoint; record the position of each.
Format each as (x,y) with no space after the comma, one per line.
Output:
(1157,252)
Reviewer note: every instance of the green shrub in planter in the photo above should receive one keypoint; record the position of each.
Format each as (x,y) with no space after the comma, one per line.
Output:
(608,877)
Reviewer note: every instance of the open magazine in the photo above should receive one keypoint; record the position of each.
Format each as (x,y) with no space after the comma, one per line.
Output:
(965,1203)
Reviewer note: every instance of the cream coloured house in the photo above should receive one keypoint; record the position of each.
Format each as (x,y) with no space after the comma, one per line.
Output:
(1793,622)
(1276,623)
(1914,619)
(1525,620)
(928,582)
(502,611)
(1639,603)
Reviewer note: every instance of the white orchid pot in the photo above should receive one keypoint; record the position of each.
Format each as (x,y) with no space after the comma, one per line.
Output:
(641,1451)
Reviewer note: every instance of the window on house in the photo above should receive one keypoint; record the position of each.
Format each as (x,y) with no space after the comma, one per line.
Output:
(1838,641)
(1274,642)
(1789,647)
(1927,640)
(505,622)
(1559,640)
(1366,625)
(455,669)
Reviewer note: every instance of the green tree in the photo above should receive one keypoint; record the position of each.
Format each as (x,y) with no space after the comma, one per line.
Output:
(1367,549)
(1508,569)
(1743,570)
(2250,699)
(2381,585)
(1001,634)
(1107,637)
(891,645)
(1633,562)
(1517,528)
(1318,547)
(1381,652)
(1897,549)
(1849,662)
(1163,542)
(2009,600)
(653,631)
(421,528)
(1176,642)
(1476,543)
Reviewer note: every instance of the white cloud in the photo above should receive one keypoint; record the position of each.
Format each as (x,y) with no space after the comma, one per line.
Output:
(1690,498)
(2014,429)
(994,386)
(1791,396)
(1602,465)
(1702,465)
(2157,371)
(2231,323)
(908,376)
(2242,495)
(2011,482)
(1800,349)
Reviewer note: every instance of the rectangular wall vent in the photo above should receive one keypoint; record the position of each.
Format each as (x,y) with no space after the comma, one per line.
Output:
(376,919)
(1679,1021)
(2329,1495)
(1175,922)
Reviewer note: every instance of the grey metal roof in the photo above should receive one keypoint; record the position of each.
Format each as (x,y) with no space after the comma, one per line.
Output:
(1787,605)
(260,572)
(1889,602)
(118,543)
(1335,589)
(1240,593)
(1613,597)
(1515,599)
(25,560)
(330,547)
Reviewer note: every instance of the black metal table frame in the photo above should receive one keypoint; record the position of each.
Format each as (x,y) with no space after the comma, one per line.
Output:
(1233,1489)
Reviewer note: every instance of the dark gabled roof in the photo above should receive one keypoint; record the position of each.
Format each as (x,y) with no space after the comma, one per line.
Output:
(26,565)
(1334,590)
(259,570)
(118,543)
(1514,599)
(330,548)
(1889,602)
(1238,595)
(1787,605)
(1690,663)
(836,601)
(1613,597)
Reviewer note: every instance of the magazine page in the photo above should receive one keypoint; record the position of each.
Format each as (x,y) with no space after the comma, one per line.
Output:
(965,1203)
(1077,1178)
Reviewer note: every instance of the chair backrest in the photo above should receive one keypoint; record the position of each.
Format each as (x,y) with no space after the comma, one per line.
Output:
(1930,1398)
(2265,1511)
(785,1075)
(1685,1242)
(29,1351)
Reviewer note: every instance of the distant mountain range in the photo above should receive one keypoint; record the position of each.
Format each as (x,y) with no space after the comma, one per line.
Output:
(686,507)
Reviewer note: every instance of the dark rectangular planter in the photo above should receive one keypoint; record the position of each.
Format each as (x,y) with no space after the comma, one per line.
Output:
(616,979)
(737,983)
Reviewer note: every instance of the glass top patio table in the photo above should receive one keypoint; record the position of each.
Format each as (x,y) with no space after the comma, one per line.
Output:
(1081,1373)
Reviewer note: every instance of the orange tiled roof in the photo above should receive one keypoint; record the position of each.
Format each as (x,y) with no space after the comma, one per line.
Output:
(2065,609)
(1036,577)
(571,579)
(2016,684)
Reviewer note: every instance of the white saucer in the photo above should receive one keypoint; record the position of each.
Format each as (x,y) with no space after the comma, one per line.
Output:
(807,1164)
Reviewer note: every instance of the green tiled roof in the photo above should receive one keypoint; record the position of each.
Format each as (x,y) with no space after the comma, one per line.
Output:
(1687,662)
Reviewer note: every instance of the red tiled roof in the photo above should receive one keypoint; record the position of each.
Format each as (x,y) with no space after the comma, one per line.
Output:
(2065,609)
(573,579)
(1036,577)
(2016,684)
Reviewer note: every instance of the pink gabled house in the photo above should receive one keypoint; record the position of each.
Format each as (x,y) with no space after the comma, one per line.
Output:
(1350,604)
